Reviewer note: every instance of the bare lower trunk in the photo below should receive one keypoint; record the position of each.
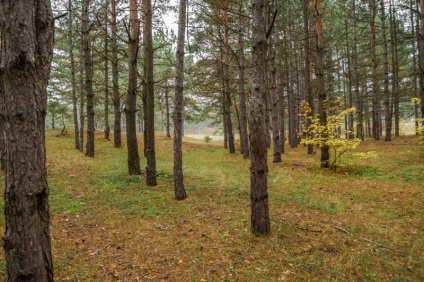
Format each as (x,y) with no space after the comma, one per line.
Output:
(258,148)
(26,36)
(117,141)
(387,109)
(179,190)
(106,45)
(73,80)
(131,103)
(89,148)
(148,88)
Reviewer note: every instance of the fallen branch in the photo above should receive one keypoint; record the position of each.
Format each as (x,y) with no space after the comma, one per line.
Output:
(343,230)
(379,244)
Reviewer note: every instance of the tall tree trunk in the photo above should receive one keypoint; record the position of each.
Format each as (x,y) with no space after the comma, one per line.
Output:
(322,93)
(168,131)
(395,69)
(358,96)
(117,141)
(307,68)
(227,91)
(244,138)
(131,103)
(375,89)
(148,88)
(280,92)
(414,26)
(258,148)
(73,80)
(179,190)
(421,56)
(82,96)
(291,95)
(88,70)
(387,108)
(106,46)
(26,35)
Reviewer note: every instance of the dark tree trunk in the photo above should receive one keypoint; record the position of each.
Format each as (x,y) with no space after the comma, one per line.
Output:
(280,93)
(421,56)
(168,131)
(244,138)
(26,53)
(375,88)
(322,93)
(414,27)
(131,103)
(73,80)
(395,71)
(307,71)
(358,96)
(82,96)
(148,88)
(106,45)
(387,108)
(117,141)
(291,95)
(89,148)
(227,91)
(258,148)
(179,190)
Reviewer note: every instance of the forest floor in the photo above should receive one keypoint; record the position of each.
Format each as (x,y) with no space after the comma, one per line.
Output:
(364,222)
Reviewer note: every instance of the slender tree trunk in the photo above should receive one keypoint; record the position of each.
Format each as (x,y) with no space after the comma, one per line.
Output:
(322,93)
(414,27)
(387,108)
(258,148)
(179,190)
(26,35)
(73,80)
(168,131)
(395,69)
(291,96)
(280,93)
(106,46)
(148,88)
(131,103)
(375,89)
(244,138)
(117,141)
(89,150)
(307,75)
(421,56)
(227,91)
(358,96)
(82,96)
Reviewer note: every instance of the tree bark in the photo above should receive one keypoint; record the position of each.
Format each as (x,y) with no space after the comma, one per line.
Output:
(421,56)
(88,70)
(322,93)
(106,65)
(258,144)
(117,141)
(227,91)
(131,103)
(27,47)
(375,88)
(387,108)
(168,131)
(82,96)
(73,80)
(179,190)
(358,96)
(244,138)
(307,68)
(148,88)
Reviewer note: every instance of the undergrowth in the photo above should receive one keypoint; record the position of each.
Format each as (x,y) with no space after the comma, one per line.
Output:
(361,223)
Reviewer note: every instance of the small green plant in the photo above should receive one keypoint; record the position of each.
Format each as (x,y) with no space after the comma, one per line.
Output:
(329,134)
(207,139)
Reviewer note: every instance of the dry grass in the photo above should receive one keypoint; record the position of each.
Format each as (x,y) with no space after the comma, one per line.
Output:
(362,223)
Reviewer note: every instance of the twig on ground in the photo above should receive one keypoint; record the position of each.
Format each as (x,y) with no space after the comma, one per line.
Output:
(379,244)
(343,230)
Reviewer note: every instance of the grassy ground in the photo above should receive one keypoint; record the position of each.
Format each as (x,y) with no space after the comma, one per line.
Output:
(362,223)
